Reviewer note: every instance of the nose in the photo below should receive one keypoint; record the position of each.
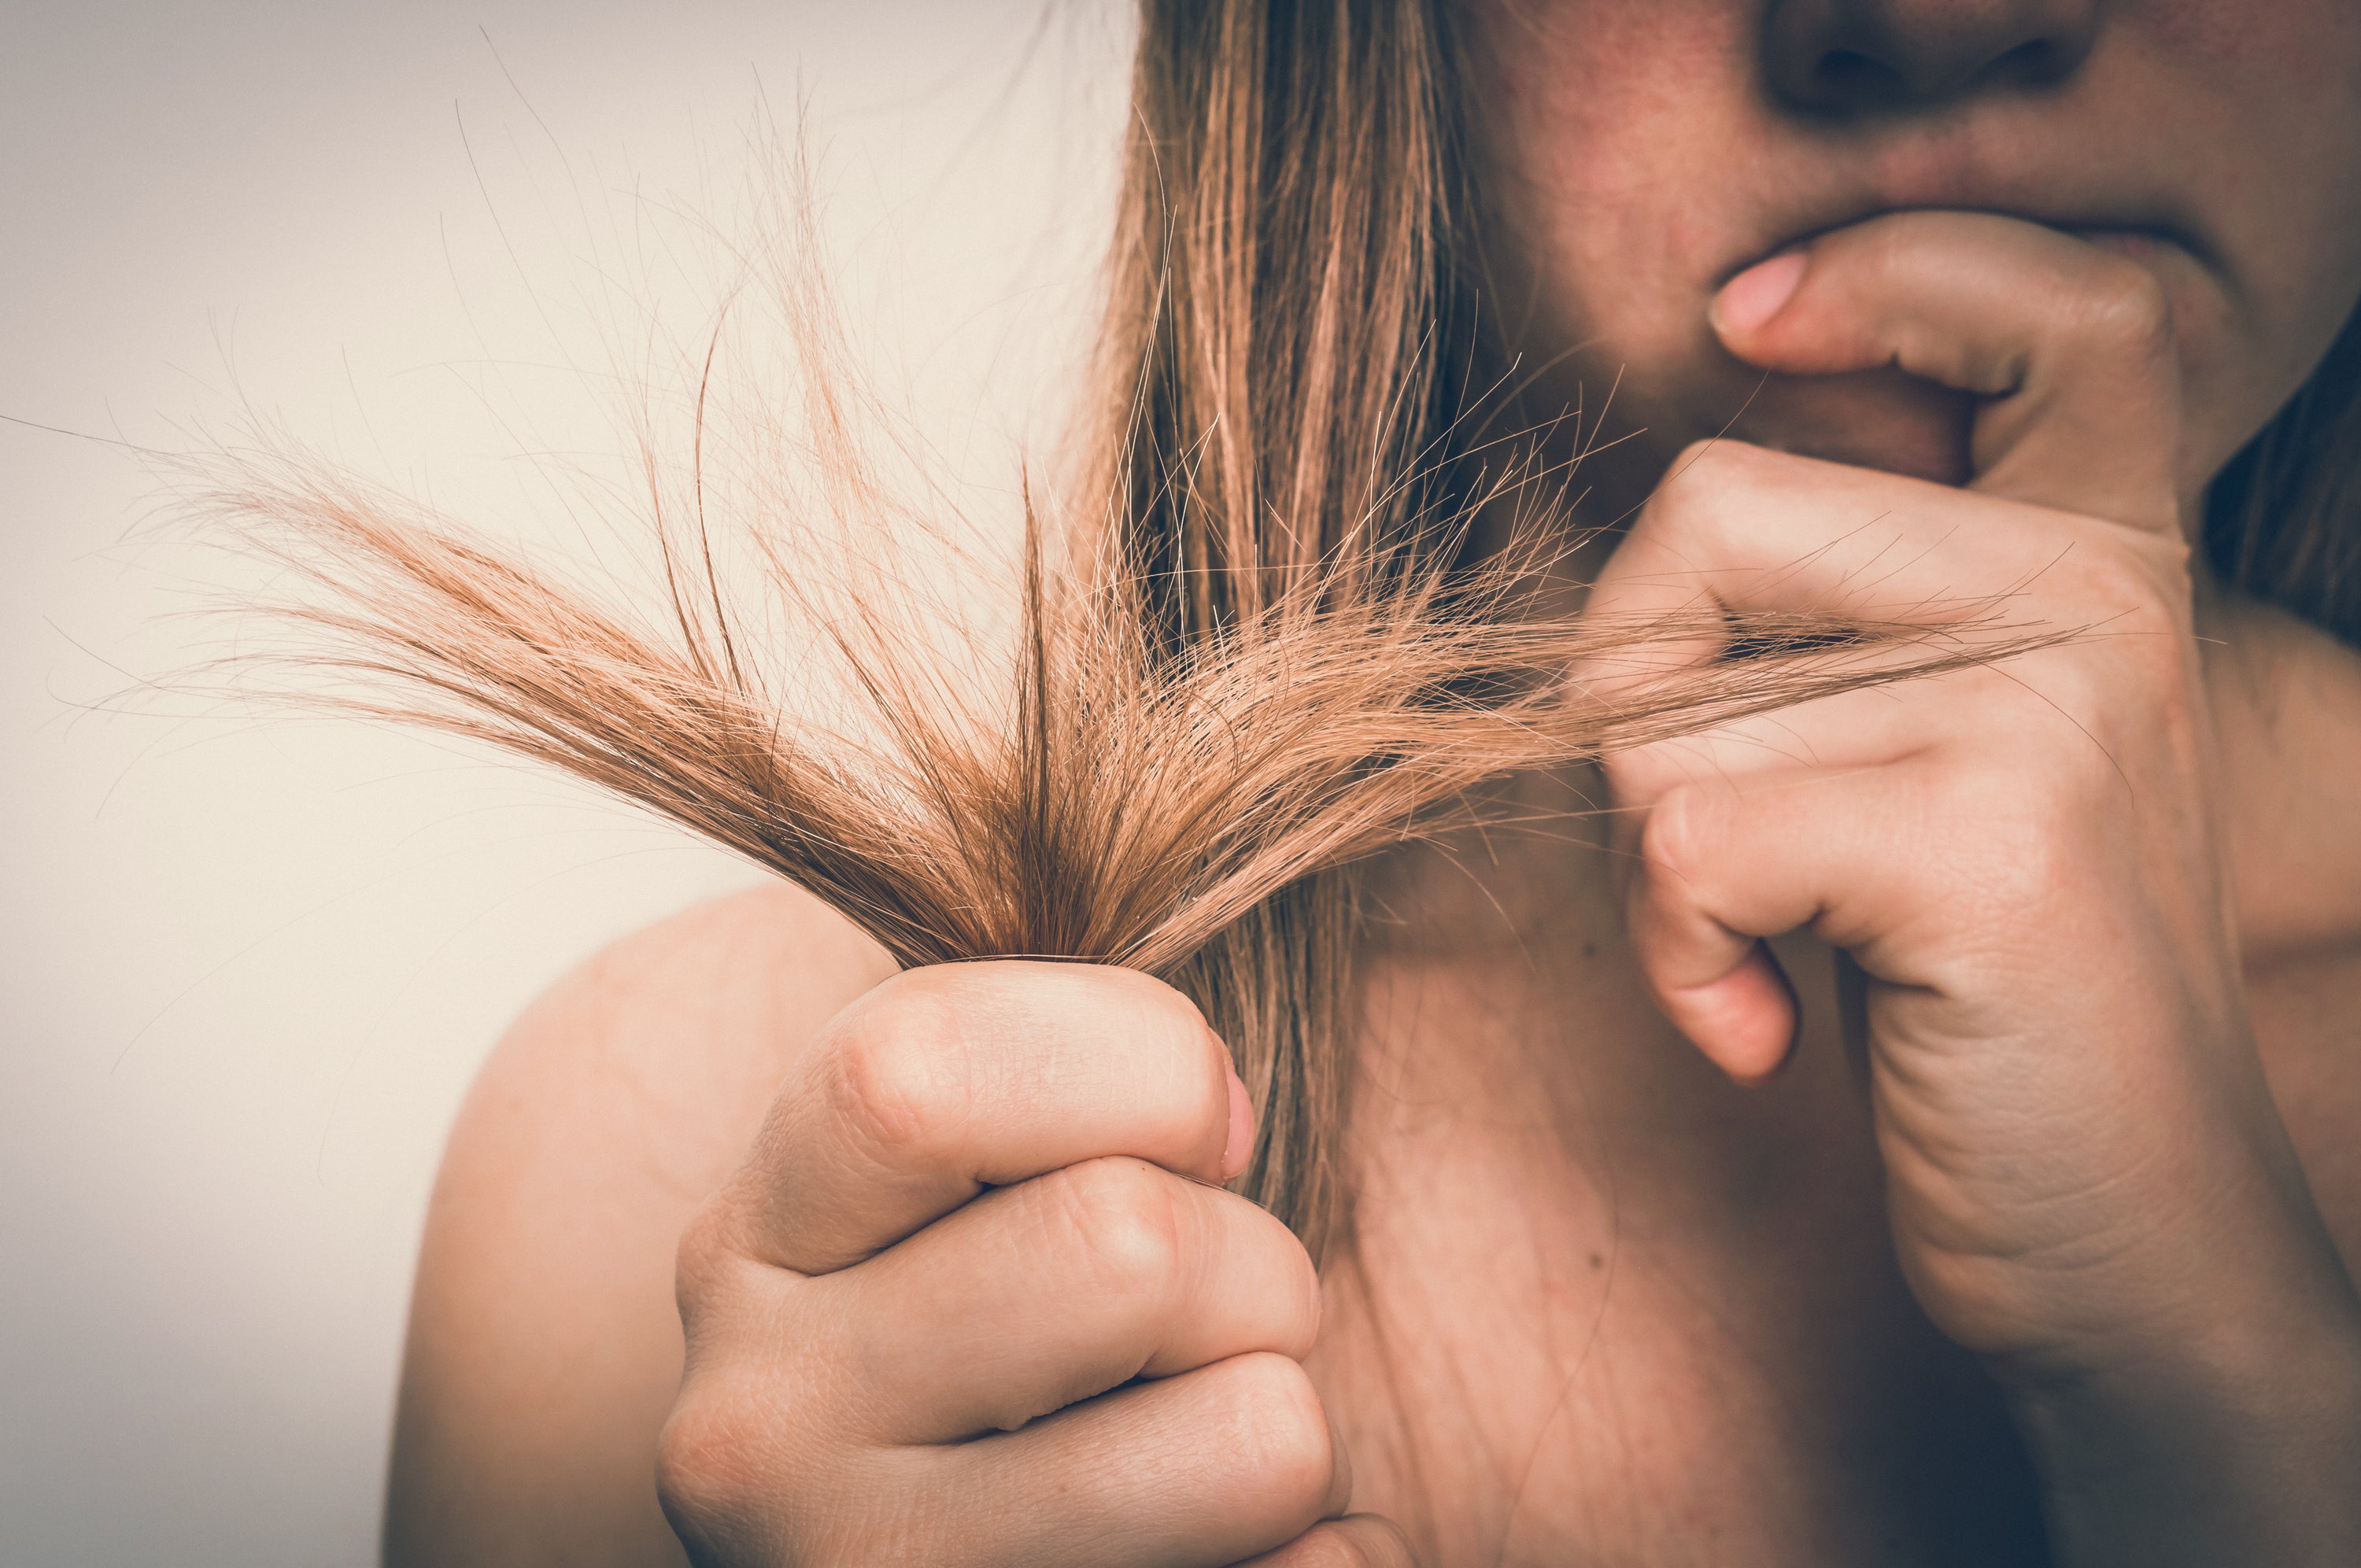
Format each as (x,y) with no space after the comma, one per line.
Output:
(1840,57)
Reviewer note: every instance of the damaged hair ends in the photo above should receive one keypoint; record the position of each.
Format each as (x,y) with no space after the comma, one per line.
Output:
(1255,649)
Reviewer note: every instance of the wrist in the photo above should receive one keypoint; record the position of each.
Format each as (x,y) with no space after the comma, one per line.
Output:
(2241,1442)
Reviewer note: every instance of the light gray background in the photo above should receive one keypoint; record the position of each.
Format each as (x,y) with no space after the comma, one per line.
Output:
(248,966)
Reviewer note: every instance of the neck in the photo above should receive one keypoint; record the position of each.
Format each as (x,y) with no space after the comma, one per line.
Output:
(1560,1206)
(1575,1244)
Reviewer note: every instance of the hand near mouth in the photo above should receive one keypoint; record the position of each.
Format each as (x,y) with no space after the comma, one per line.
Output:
(2087,1181)
(2068,343)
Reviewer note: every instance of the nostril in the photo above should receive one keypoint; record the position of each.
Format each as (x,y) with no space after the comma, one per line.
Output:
(2034,63)
(1847,78)
(1838,57)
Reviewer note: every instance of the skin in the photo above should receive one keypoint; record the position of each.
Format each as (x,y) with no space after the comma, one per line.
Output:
(1682,1237)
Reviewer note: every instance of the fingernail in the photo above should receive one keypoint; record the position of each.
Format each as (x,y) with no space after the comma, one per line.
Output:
(1755,295)
(1239,1147)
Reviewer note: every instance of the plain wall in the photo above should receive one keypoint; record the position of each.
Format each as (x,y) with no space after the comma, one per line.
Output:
(249,964)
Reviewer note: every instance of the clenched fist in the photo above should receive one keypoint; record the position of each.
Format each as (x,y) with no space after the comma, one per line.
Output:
(977,1298)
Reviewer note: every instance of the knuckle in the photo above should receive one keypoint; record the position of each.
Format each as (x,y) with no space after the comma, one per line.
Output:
(727,1296)
(1279,1432)
(1693,468)
(899,1076)
(1643,774)
(744,1474)
(1121,1217)
(708,1471)
(701,1258)
(1704,515)
(1673,838)
(1710,479)
(2073,692)
(1680,498)
(2147,674)
(1713,465)
(1669,506)
(1383,1544)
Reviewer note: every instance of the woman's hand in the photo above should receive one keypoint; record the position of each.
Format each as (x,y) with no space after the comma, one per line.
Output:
(2087,1180)
(977,1297)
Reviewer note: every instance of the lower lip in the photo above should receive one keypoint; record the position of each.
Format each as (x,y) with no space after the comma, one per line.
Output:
(2140,245)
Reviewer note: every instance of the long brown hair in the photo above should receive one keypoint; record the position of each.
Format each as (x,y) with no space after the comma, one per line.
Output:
(2283,519)
(1253,658)
(1287,345)
(1295,309)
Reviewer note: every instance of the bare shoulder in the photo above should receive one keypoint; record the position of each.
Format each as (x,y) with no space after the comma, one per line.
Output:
(543,1348)
(2289,709)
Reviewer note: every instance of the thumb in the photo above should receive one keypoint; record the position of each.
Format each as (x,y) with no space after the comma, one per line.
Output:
(2070,343)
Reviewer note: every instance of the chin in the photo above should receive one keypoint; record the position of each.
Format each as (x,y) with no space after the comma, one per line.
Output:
(1878,419)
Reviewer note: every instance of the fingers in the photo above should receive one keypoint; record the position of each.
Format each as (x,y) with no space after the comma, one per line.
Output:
(1716,866)
(950,1078)
(983,1198)
(2070,344)
(1743,1014)
(1696,938)
(1198,1471)
(1850,731)
(1742,530)
(1696,941)
(1037,1295)
(1357,1541)
(1209,1468)
(1716,982)
(1739,530)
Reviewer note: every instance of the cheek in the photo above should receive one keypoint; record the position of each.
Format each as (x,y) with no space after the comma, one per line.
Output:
(2265,42)
(2278,83)
(1618,130)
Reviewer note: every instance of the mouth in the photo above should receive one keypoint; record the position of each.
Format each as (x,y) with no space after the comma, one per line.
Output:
(2145,239)
(2148,245)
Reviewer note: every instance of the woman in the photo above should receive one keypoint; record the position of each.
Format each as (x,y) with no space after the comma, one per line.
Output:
(1650,1229)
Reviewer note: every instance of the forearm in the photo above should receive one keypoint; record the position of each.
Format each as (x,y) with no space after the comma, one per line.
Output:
(2249,1454)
